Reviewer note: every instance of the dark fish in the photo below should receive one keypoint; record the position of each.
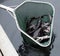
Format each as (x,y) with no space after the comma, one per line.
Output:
(39,28)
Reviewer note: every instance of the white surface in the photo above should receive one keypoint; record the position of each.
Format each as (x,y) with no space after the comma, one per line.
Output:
(0,54)
(5,44)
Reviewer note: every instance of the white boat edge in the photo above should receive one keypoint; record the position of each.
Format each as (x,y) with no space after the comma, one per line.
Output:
(5,44)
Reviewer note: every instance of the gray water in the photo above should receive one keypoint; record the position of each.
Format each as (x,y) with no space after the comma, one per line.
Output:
(12,32)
